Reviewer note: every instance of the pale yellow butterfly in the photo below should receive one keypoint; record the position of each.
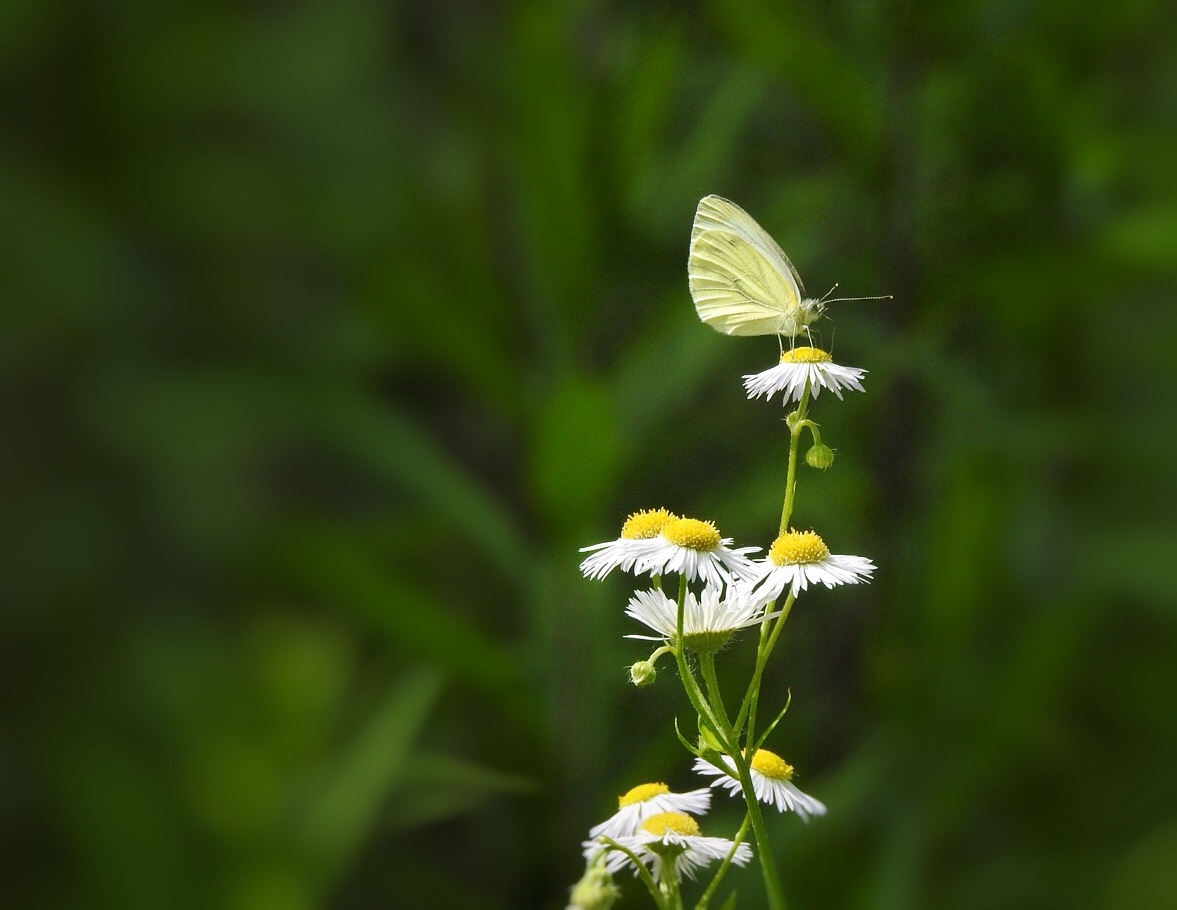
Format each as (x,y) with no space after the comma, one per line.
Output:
(741,280)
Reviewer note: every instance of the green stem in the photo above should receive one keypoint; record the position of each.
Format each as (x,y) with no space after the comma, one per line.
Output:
(768,641)
(754,683)
(707,661)
(791,478)
(690,685)
(723,867)
(659,651)
(671,880)
(642,872)
(753,691)
(772,881)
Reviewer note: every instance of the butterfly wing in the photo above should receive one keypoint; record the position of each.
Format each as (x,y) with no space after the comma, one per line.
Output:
(741,280)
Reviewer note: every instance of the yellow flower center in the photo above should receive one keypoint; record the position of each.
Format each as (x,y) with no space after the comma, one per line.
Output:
(641,793)
(645,524)
(691,533)
(798,547)
(805,355)
(771,765)
(671,823)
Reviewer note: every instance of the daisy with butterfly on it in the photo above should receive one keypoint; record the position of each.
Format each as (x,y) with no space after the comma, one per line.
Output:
(802,368)
(742,283)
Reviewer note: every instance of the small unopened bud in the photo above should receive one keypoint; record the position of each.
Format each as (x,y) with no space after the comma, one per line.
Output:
(820,456)
(595,891)
(642,673)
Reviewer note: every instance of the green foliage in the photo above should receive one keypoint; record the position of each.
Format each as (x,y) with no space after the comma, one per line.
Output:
(329,331)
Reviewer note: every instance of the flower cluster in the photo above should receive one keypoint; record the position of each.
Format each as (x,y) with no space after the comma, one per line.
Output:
(655,831)
(736,587)
(653,826)
(695,592)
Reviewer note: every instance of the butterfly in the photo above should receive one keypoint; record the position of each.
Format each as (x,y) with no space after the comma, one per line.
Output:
(741,280)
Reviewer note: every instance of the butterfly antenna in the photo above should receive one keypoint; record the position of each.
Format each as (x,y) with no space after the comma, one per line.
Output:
(844,299)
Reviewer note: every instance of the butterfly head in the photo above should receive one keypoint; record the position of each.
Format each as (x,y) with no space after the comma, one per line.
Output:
(811,310)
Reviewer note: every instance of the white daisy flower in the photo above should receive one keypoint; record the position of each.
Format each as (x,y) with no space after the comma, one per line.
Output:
(674,838)
(709,620)
(801,558)
(640,803)
(772,779)
(694,549)
(801,366)
(638,538)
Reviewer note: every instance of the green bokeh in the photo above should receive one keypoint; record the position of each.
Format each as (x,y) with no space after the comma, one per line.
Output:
(328,332)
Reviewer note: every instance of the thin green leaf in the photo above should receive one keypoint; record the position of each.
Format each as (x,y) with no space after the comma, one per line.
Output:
(434,787)
(343,573)
(392,444)
(767,730)
(693,749)
(433,768)
(338,817)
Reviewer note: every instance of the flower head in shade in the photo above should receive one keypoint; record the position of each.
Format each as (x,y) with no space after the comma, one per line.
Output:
(694,549)
(639,537)
(671,842)
(709,620)
(799,367)
(800,558)
(638,804)
(772,779)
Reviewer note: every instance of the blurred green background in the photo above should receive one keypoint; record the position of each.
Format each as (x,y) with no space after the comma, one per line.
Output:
(328,332)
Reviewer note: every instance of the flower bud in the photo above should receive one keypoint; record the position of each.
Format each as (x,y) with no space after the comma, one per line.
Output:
(595,891)
(642,673)
(820,456)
